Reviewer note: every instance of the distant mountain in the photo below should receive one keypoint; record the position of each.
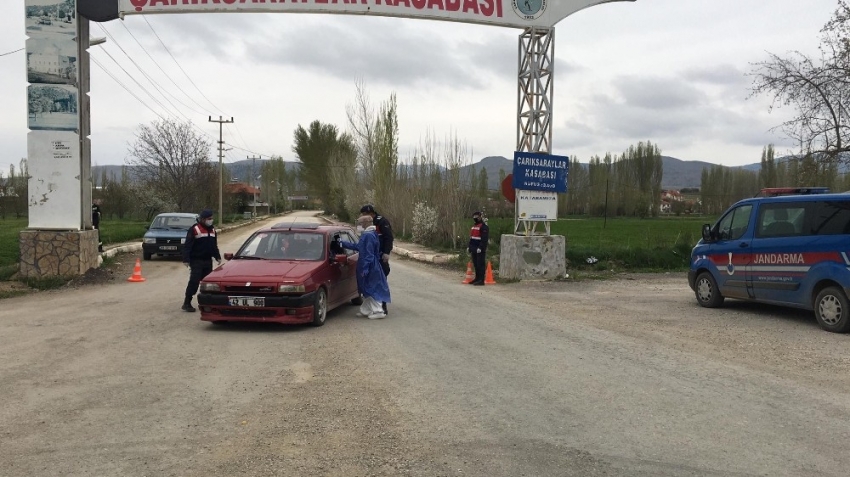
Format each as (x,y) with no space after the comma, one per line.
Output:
(239,171)
(678,174)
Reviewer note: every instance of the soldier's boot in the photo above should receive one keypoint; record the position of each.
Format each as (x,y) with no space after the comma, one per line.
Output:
(187,305)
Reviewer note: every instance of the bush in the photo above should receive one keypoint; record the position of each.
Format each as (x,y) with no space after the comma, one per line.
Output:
(424,222)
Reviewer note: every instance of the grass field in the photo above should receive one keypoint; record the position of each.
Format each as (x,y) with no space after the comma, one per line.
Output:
(623,243)
(9,229)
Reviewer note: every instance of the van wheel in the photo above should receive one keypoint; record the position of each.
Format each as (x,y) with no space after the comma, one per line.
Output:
(320,307)
(832,310)
(706,291)
(146,256)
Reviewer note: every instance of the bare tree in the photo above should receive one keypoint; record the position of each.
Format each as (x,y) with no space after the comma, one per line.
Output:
(171,161)
(363,129)
(818,88)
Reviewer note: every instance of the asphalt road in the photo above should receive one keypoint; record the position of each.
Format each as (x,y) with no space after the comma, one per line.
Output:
(620,377)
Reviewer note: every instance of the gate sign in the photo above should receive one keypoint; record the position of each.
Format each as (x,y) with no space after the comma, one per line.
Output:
(537,206)
(541,172)
(509,13)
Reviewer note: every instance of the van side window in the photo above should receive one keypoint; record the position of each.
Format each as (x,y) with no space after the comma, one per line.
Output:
(781,219)
(734,224)
(831,218)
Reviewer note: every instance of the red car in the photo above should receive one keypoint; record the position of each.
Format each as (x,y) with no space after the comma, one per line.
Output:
(289,273)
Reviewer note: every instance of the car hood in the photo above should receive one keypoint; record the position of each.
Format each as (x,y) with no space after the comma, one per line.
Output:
(263,271)
(166,233)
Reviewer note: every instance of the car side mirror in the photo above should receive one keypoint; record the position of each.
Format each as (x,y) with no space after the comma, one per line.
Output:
(147,227)
(340,259)
(228,256)
(706,232)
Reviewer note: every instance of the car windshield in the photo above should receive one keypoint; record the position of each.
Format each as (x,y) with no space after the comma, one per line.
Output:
(284,245)
(172,222)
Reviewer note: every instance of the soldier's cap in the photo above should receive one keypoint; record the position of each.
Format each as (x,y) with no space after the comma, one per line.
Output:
(206,213)
(367,209)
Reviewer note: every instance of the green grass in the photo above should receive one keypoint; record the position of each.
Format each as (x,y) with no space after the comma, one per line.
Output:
(9,250)
(117,231)
(622,243)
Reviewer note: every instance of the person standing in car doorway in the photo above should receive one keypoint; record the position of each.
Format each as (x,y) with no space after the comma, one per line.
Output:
(385,236)
(479,235)
(198,252)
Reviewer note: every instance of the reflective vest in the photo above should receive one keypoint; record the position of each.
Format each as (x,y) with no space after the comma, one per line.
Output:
(475,233)
(201,232)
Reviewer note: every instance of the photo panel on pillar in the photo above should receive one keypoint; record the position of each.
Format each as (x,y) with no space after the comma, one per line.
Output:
(53,107)
(50,18)
(52,60)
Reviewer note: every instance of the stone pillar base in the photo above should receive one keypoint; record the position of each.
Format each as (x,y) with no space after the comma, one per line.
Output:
(49,253)
(537,257)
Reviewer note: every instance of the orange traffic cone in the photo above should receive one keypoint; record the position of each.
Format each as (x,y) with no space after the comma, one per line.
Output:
(137,273)
(488,278)
(470,275)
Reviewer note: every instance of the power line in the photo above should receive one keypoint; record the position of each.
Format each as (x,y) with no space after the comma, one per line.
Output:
(207,111)
(125,87)
(145,104)
(246,148)
(158,87)
(10,52)
(178,65)
(137,83)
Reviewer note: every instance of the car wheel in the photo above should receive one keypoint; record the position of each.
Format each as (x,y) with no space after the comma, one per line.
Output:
(832,310)
(146,255)
(357,301)
(320,307)
(219,322)
(706,291)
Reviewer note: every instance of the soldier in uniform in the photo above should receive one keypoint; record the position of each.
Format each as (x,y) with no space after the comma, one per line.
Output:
(198,252)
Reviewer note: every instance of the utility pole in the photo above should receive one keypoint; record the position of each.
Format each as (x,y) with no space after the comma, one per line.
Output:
(221,123)
(253,178)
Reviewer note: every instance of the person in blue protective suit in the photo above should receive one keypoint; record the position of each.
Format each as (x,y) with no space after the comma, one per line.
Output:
(371,280)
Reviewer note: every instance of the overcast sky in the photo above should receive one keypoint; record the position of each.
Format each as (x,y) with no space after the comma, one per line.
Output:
(670,71)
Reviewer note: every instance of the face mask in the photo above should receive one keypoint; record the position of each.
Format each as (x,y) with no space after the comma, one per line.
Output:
(208,223)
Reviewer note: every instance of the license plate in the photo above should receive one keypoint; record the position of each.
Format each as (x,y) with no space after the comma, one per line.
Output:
(168,247)
(246,301)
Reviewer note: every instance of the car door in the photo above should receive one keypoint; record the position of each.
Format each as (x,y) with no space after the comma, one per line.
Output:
(730,253)
(778,250)
(346,272)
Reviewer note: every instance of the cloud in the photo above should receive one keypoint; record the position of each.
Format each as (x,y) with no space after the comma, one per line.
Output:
(724,75)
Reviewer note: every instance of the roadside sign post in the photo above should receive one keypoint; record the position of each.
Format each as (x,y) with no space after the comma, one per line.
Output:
(538,179)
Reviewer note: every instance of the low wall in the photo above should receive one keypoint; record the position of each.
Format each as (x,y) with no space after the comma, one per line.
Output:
(47,253)
(537,257)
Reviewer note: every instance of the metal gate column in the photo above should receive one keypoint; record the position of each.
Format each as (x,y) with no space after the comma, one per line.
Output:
(535,90)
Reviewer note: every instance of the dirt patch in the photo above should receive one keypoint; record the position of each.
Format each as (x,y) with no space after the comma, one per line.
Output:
(117,268)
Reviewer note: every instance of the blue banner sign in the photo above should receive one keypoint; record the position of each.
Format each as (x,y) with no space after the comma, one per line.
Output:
(542,172)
